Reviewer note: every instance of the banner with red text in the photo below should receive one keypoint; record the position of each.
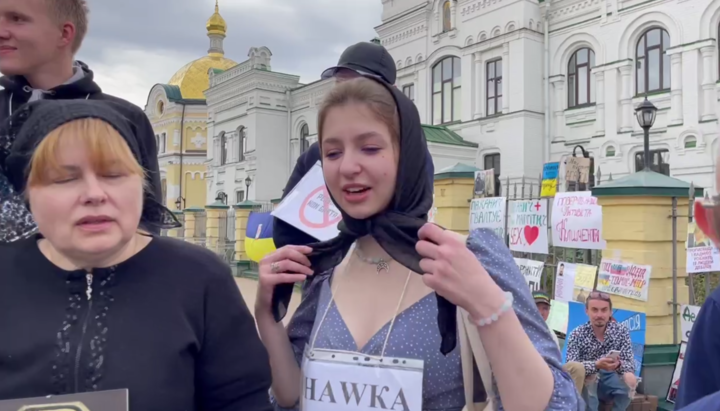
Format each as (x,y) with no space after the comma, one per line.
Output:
(577,221)
(702,256)
(527,226)
(624,279)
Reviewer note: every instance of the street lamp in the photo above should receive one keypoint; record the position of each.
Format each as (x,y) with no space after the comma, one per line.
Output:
(645,114)
(180,203)
(248,181)
(221,197)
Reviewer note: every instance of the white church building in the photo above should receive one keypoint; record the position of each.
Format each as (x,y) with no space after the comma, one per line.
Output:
(503,84)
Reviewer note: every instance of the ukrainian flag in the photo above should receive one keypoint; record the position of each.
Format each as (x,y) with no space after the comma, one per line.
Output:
(259,236)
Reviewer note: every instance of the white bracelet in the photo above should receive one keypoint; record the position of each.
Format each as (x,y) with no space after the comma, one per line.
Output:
(507,305)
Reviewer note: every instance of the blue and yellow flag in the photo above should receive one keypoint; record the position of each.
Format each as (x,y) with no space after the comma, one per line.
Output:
(259,236)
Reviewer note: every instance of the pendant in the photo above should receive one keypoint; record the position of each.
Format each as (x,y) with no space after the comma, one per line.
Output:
(382,265)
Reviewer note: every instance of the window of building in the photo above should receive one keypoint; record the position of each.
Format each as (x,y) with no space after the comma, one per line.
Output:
(447,20)
(242,143)
(652,66)
(409,91)
(304,135)
(581,88)
(493,73)
(239,196)
(163,187)
(659,161)
(492,161)
(223,148)
(610,151)
(163,143)
(690,142)
(447,99)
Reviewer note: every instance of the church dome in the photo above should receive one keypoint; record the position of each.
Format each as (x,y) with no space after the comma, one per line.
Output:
(193,78)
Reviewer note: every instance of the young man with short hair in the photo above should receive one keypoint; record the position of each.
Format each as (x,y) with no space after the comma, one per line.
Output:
(38,43)
(609,376)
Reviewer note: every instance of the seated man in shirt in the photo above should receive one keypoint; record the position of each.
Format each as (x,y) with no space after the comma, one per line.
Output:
(608,378)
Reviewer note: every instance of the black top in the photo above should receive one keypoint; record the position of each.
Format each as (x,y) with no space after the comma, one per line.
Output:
(16,92)
(169,324)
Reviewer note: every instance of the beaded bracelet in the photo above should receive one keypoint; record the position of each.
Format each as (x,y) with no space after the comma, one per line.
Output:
(507,305)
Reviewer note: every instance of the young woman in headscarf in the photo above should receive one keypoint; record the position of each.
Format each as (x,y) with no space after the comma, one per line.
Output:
(364,297)
(89,303)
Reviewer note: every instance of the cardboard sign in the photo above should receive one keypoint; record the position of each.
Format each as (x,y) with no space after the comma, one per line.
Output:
(488,213)
(484,183)
(577,169)
(308,207)
(528,226)
(113,400)
(624,279)
(577,221)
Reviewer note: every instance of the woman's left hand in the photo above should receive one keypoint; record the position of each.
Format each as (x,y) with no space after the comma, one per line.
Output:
(455,273)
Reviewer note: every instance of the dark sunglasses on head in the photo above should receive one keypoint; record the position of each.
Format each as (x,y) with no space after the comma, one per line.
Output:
(599,295)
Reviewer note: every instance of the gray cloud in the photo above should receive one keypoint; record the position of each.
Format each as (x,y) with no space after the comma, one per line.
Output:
(305,36)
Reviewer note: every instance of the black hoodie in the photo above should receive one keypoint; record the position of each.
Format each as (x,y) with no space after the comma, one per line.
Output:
(17,91)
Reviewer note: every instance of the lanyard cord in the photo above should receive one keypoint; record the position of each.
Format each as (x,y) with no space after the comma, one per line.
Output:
(332,299)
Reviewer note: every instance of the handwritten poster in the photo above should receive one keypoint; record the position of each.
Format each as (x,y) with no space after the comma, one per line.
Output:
(532,271)
(577,169)
(577,221)
(488,213)
(484,183)
(675,382)
(624,279)
(549,179)
(702,256)
(527,226)
(308,207)
(558,318)
(688,314)
(573,282)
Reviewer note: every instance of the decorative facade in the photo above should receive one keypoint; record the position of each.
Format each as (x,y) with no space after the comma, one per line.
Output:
(528,81)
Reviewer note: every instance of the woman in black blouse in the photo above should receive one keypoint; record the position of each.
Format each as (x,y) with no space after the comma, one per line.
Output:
(90,303)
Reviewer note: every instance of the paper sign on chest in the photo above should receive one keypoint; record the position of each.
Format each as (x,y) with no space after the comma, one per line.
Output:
(309,207)
(527,226)
(340,381)
(577,221)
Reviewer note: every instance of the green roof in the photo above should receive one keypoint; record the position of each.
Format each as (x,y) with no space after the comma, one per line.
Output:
(172,92)
(459,170)
(443,135)
(646,183)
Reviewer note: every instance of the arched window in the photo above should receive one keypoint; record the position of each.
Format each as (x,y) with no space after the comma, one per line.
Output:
(652,72)
(610,151)
(242,143)
(223,149)
(690,142)
(446,91)
(447,21)
(581,88)
(304,135)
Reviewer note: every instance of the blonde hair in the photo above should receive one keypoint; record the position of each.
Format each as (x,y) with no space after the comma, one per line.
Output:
(74,11)
(106,148)
(362,91)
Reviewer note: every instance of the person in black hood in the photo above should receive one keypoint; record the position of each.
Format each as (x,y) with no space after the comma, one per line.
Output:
(39,40)
(91,303)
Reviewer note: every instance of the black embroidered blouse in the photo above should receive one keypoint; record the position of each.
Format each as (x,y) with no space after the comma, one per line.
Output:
(169,324)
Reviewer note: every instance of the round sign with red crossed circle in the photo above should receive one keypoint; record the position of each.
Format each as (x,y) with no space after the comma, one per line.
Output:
(318,223)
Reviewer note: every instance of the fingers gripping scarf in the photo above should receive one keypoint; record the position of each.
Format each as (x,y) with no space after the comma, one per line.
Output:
(395,229)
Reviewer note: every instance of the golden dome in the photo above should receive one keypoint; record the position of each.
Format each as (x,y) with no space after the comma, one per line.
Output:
(216,24)
(193,78)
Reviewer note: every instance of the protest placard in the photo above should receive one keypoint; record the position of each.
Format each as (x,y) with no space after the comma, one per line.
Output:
(675,381)
(558,318)
(484,183)
(488,213)
(624,279)
(577,221)
(702,255)
(308,207)
(577,169)
(688,314)
(574,281)
(549,179)
(532,271)
(527,226)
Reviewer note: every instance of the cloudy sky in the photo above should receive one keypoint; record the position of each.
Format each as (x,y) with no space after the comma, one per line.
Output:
(135,44)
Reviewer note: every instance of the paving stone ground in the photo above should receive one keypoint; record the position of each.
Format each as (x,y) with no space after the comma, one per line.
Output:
(248,288)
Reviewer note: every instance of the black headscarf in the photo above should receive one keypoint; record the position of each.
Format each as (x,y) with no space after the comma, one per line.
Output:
(22,133)
(396,228)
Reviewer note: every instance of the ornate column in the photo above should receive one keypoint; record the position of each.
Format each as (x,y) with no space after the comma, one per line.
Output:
(558,83)
(626,108)
(676,101)
(506,78)
(708,86)
(600,102)
(478,85)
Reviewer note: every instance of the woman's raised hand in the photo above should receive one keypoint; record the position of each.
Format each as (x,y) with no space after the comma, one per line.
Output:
(287,265)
